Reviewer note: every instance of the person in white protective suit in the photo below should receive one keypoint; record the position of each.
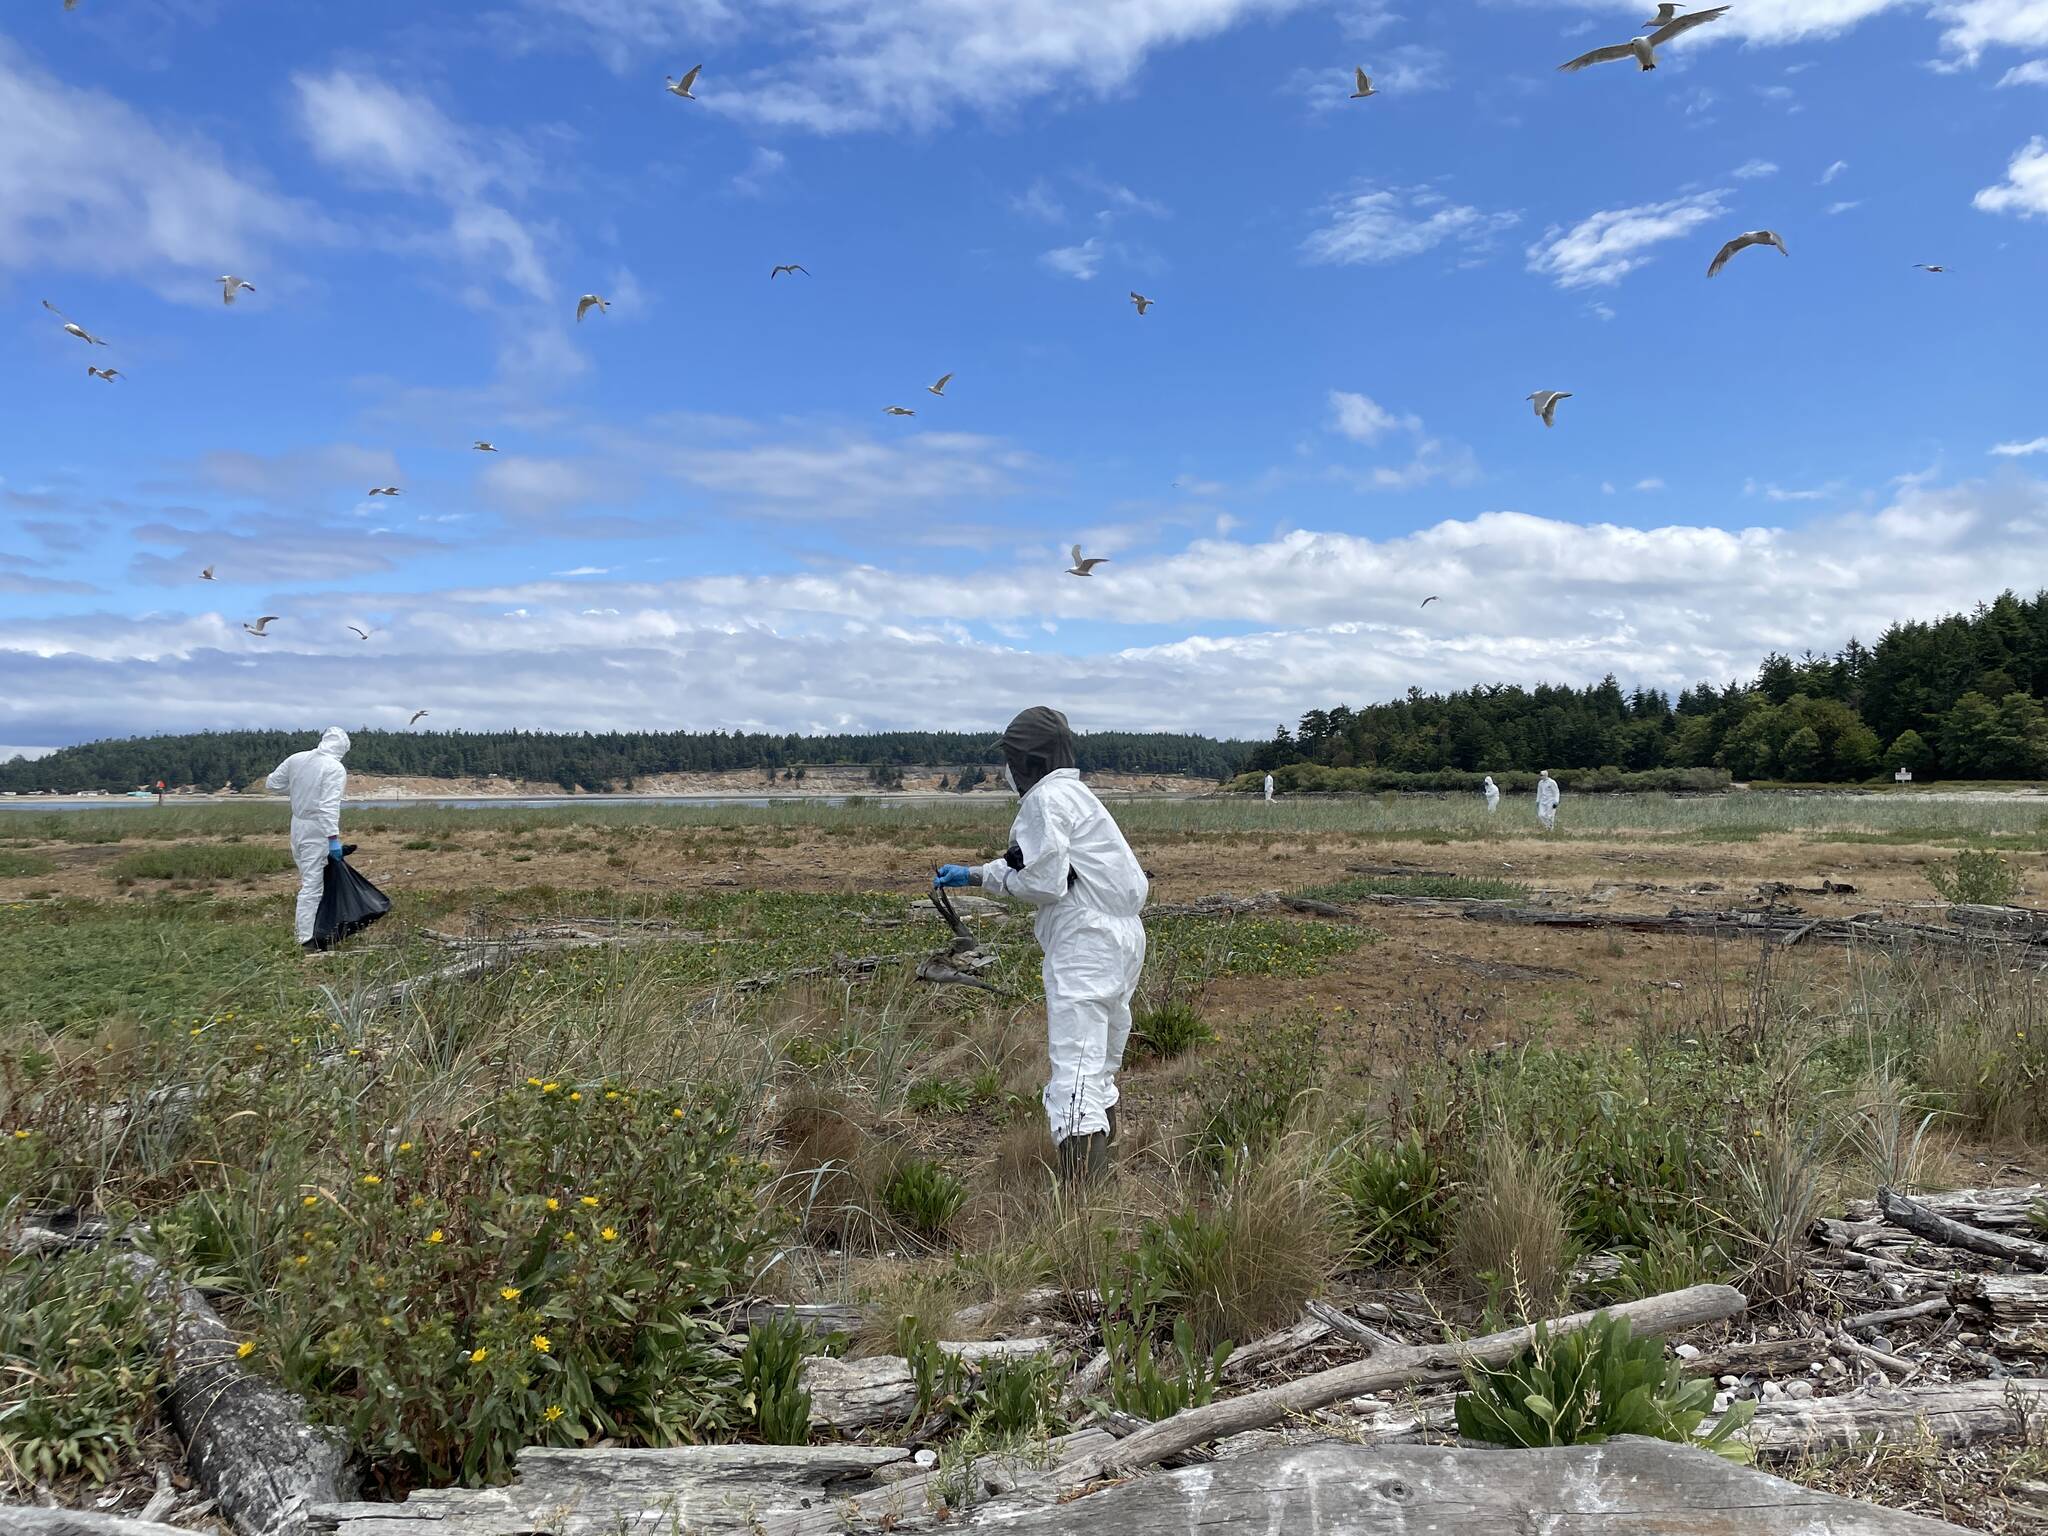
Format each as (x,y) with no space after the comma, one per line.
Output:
(316,781)
(1492,792)
(1069,860)
(1547,796)
(1269,788)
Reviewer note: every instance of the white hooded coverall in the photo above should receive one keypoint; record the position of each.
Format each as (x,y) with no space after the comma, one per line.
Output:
(1492,793)
(1269,786)
(316,781)
(1547,796)
(1093,938)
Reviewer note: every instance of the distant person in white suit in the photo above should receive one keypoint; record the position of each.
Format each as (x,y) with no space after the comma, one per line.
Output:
(1547,796)
(1492,793)
(316,781)
(1269,787)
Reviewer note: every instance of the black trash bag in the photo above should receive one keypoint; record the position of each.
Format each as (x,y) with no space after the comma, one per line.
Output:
(348,904)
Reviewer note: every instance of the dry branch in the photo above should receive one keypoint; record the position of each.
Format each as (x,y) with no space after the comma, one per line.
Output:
(1936,1228)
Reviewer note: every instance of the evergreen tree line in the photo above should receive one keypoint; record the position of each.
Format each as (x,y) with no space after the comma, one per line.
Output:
(1958,698)
(613,760)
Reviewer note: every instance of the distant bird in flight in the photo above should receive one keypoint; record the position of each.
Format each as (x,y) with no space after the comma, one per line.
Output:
(1666,14)
(1364,87)
(1644,49)
(1428,600)
(109,374)
(207,574)
(1546,400)
(1142,302)
(940,387)
(76,330)
(589,301)
(70,5)
(1086,567)
(383,490)
(228,286)
(897,410)
(261,624)
(420,715)
(788,266)
(1742,242)
(1924,267)
(681,87)
(360,634)
(480,446)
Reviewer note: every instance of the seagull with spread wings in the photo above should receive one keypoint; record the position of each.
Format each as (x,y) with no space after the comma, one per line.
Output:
(1924,267)
(1644,49)
(1545,401)
(683,86)
(591,301)
(262,625)
(109,374)
(76,330)
(207,574)
(480,446)
(787,266)
(1365,87)
(383,490)
(1428,600)
(360,634)
(1743,242)
(418,716)
(229,286)
(939,388)
(897,410)
(1142,302)
(1086,567)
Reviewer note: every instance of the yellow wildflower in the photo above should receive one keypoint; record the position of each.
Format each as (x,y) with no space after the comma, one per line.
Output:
(554,1412)
(543,1343)
(575,1097)
(611,1094)
(554,1204)
(610,1234)
(479,1356)
(245,1349)
(310,1201)
(549,1087)
(591,1201)
(509,1293)
(436,1236)
(405,1146)
(675,1114)
(302,1260)
(23,1134)
(385,1320)
(373,1180)
(476,1154)
(533,1082)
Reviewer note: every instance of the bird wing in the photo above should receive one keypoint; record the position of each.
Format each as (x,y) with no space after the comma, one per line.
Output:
(362,632)
(1727,250)
(1601,56)
(1427,601)
(585,304)
(227,290)
(1778,240)
(944,380)
(1077,555)
(690,79)
(415,720)
(53,309)
(1088,566)
(1684,24)
(1364,81)
(207,574)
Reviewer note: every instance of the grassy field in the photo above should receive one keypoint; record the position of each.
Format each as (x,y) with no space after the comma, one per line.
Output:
(499,1212)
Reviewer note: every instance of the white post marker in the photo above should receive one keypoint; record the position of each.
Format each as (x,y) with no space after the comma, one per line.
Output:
(1903,776)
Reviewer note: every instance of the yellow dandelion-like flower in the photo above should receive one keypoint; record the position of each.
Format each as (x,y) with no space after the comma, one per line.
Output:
(437,1236)
(675,1114)
(384,1321)
(405,1146)
(591,1201)
(611,1094)
(549,1087)
(554,1412)
(479,1356)
(554,1204)
(310,1201)
(610,1234)
(23,1134)
(575,1097)
(533,1082)
(303,1260)
(355,1050)
(373,1180)
(572,1237)
(245,1349)
(476,1154)
(298,1039)
(509,1293)
(543,1343)
(196,1033)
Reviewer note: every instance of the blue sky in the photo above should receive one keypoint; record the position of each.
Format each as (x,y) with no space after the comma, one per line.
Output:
(700,516)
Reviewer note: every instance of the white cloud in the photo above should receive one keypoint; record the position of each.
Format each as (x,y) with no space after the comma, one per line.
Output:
(1975,25)
(2025,188)
(1235,635)
(1039,201)
(1393,224)
(1780,493)
(1119,199)
(1844,207)
(386,137)
(87,184)
(763,170)
(1078,261)
(2033,72)
(1833,171)
(1605,247)
(2022,450)
(1752,170)
(1650,484)
(1365,420)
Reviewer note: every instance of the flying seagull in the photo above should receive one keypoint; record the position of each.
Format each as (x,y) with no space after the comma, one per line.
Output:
(1644,49)
(1428,600)
(1743,242)
(382,490)
(360,634)
(681,87)
(897,410)
(109,374)
(1666,14)
(1364,87)
(261,624)
(1924,267)
(419,715)
(228,285)
(1142,302)
(589,301)
(77,330)
(1546,403)
(940,387)
(788,266)
(1086,567)
(480,446)
(207,574)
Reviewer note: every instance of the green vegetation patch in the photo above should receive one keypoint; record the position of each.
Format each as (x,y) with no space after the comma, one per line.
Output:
(23,866)
(203,861)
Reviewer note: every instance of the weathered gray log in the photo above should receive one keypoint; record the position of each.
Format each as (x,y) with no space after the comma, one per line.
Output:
(819,1318)
(1270,1350)
(692,1488)
(1936,1228)
(34,1520)
(2018,1305)
(2014,922)
(248,1443)
(853,1395)
(2000,1208)
(1933,1306)
(1338,1321)
(1761,1357)
(1950,1413)
(1400,1367)
(1638,1487)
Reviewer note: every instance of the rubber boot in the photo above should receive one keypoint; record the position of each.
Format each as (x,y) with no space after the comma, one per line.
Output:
(1083,1159)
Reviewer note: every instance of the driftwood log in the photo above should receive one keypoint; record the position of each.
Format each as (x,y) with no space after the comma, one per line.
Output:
(1641,1487)
(693,1488)
(1952,1413)
(1999,1208)
(34,1520)
(2011,922)
(1925,1222)
(1385,1369)
(881,1391)
(2018,1305)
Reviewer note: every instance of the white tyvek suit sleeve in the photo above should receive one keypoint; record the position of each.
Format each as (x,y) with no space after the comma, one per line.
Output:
(280,780)
(1039,833)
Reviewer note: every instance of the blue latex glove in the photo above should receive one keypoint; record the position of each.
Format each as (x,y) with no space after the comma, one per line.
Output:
(952,877)
(334,847)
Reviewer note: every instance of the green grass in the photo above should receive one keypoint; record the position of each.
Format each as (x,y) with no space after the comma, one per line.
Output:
(203,861)
(1441,887)
(23,866)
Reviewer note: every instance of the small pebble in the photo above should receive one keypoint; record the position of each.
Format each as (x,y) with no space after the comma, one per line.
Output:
(926,1458)
(1687,1352)
(1730,1381)
(1772,1389)
(1722,1400)
(1799,1389)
